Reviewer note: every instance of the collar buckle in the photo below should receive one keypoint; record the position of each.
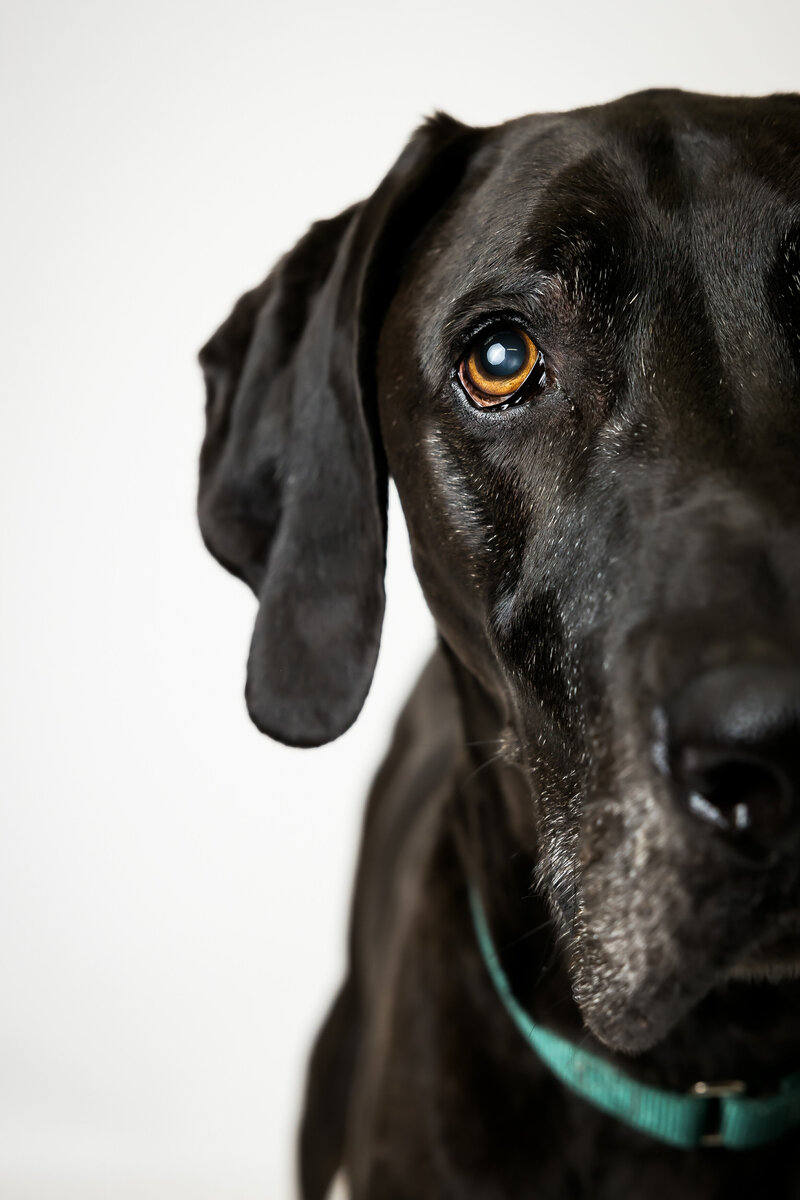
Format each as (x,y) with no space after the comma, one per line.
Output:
(717,1091)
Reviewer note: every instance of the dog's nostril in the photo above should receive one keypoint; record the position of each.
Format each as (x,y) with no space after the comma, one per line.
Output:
(735,794)
(731,746)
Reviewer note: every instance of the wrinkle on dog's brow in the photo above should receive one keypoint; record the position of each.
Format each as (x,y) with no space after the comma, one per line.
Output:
(593,185)
(784,292)
(581,231)
(674,162)
(660,164)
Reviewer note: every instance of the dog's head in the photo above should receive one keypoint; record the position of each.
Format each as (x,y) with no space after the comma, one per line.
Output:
(574,342)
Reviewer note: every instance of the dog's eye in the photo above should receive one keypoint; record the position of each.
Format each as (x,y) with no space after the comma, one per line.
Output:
(496,366)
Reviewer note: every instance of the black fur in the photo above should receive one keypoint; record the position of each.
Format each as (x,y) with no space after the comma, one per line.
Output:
(595,558)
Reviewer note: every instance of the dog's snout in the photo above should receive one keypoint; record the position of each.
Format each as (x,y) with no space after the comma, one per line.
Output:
(732,752)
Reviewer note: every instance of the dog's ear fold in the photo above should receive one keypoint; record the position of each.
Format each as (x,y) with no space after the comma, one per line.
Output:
(292,475)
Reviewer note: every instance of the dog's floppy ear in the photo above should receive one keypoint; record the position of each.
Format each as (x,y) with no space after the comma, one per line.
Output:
(292,475)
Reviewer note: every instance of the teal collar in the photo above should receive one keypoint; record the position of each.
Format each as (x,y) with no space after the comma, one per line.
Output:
(708,1115)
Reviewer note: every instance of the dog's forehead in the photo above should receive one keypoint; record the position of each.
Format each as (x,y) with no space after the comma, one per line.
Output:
(544,189)
(660,206)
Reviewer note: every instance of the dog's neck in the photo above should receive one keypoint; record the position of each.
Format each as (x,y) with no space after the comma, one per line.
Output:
(746,1031)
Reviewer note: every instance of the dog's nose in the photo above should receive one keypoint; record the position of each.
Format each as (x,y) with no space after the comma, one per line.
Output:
(733,754)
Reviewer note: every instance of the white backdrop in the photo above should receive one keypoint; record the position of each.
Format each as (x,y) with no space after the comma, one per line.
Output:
(173,887)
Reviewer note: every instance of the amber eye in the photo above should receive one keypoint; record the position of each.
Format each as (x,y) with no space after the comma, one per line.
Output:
(497,364)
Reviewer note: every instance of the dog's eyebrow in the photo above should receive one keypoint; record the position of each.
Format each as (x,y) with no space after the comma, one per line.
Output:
(539,300)
(492,297)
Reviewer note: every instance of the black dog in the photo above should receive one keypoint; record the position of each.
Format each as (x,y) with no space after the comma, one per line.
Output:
(574,342)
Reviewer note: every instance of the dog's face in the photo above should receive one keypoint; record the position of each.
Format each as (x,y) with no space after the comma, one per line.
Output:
(577,340)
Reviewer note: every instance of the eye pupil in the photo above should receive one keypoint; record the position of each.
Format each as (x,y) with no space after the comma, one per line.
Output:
(503,355)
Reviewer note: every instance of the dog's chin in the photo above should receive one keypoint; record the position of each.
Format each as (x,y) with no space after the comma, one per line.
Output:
(630,1022)
(631,1030)
(632,1026)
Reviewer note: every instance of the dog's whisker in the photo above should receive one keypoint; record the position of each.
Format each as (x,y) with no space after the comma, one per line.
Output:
(482,766)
